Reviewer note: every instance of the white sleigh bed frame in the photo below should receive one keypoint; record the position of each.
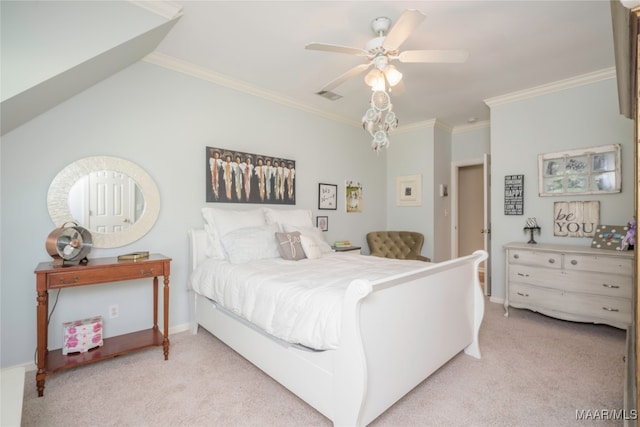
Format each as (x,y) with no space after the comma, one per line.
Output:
(395,333)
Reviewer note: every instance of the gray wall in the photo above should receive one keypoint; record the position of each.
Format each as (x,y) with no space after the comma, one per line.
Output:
(162,121)
(584,116)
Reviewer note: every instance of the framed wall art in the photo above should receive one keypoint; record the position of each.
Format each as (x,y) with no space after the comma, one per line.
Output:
(592,170)
(327,196)
(514,195)
(353,194)
(322,222)
(238,177)
(409,190)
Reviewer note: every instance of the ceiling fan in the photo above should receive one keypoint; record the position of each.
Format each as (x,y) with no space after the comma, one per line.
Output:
(384,48)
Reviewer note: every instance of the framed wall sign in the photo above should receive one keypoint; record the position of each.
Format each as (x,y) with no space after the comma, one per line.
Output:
(327,196)
(592,170)
(514,195)
(576,219)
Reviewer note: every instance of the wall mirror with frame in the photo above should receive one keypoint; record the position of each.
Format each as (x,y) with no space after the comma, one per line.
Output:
(115,199)
(592,170)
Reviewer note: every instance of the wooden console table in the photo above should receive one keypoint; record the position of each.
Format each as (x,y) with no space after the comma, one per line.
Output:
(99,270)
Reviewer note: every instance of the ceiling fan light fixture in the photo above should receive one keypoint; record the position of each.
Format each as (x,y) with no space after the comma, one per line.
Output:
(393,75)
(375,79)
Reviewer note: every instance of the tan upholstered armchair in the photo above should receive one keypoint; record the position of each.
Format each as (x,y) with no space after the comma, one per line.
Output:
(396,244)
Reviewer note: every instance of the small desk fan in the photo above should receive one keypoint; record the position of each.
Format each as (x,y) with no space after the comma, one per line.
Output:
(69,244)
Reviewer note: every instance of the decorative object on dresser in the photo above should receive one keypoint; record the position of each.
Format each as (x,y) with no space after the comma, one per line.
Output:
(532,225)
(609,237)
(238,177)
(69,244)
(574,283)
(593,170)
(575,219)
(514,195)
(99,271)
(327,196)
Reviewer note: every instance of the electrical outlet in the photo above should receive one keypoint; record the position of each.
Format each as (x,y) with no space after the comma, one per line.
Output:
(114,311)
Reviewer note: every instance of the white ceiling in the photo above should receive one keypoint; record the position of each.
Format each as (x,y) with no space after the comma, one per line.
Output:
(513,46)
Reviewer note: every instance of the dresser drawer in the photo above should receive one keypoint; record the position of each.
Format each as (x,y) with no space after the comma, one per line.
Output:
(541,259)
(90,276)
(533,297)
(531,275)
(608,310)
(611,285)
(600,264)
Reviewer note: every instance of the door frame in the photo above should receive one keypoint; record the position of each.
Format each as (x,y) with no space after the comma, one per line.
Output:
(455,170)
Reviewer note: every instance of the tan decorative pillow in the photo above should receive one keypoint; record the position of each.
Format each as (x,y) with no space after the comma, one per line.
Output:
(289,246)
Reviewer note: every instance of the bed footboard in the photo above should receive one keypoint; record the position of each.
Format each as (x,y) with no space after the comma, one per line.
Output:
(408,327)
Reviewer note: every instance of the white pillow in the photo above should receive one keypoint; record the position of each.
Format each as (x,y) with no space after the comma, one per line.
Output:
(251,243)
(219,222)
(313,232)
(294,217)
(310,247)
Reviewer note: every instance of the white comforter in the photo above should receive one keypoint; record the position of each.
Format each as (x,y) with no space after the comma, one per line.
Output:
(297,301)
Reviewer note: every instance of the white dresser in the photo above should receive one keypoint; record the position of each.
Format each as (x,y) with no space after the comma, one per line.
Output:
(570,282)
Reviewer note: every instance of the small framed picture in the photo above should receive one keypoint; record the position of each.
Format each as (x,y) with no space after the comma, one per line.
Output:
(409,190)
(327,196)
(610,237)
(322,222)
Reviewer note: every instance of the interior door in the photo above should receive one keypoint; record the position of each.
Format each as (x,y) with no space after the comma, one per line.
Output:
(486,231)
(111,201)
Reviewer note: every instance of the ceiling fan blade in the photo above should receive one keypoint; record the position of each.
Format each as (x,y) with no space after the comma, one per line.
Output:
(346,76)
(335,48)
(405,25)
(451,56)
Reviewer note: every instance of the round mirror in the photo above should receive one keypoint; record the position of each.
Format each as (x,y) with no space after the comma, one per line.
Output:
(113,198)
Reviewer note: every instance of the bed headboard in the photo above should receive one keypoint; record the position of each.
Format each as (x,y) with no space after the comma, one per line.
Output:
(197,246)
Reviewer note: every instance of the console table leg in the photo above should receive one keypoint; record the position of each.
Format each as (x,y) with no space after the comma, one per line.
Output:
(43,308)
(165,342)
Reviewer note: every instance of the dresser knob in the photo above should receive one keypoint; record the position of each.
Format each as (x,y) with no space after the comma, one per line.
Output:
(551,260)
(522,294)
(606,285)
(610,309)
(574,262)
(516,256)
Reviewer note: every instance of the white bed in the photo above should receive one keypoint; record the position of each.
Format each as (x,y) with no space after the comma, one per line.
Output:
(394,332)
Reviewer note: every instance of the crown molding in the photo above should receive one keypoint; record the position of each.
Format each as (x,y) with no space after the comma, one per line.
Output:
(484,124)
(584,79)
(166,9)
(206,74)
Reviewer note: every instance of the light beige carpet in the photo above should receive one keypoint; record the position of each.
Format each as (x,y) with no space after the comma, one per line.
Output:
(535,371)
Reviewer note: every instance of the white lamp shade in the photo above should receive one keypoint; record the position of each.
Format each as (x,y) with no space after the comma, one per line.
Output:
(393,75)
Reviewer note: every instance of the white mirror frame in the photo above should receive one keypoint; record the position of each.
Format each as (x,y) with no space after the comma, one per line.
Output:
(58,198)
